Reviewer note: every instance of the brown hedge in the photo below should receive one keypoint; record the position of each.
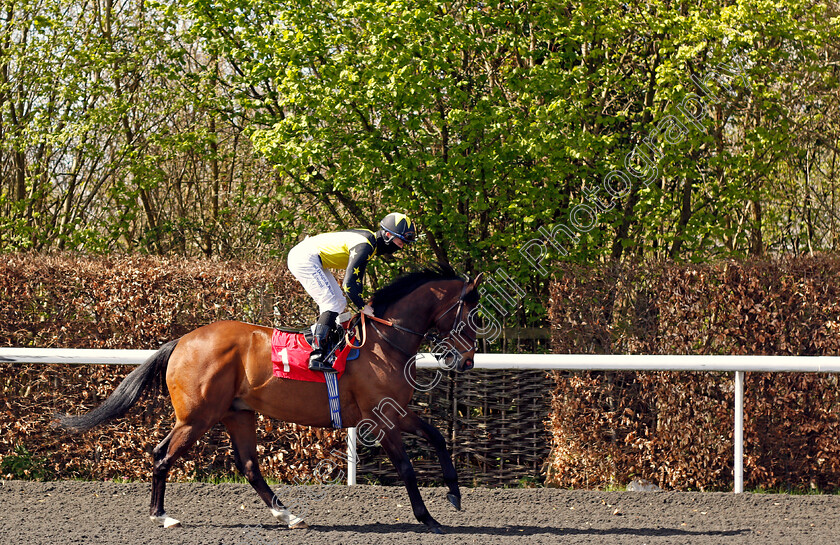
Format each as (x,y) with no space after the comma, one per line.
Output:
(675,429)
(141,302)
(672,428)
(133,302)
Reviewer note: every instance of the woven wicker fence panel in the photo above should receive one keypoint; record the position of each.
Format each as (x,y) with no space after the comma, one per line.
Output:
(434,406)
(494,424)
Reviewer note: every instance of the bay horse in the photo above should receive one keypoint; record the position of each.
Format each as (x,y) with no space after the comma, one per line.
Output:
(222,372)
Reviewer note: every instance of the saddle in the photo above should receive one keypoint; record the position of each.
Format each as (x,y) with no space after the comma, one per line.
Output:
(290,350)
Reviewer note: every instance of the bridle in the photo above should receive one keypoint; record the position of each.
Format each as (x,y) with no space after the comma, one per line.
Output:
(458,305)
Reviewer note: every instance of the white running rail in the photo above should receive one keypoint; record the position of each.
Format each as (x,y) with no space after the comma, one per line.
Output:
(547,362)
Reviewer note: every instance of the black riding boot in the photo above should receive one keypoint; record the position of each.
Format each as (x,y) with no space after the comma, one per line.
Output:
(321,344)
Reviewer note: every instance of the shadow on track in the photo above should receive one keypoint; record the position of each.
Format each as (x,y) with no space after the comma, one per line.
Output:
(380,528)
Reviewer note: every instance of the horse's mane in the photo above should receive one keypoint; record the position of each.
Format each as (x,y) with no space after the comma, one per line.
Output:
(407,283)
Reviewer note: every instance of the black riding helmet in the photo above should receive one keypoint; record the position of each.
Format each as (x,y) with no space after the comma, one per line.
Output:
(394,225)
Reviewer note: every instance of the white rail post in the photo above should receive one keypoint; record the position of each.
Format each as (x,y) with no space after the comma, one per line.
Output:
(739,432)
(352,456)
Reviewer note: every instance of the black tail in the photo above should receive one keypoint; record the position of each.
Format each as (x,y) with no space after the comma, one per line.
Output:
(126,394)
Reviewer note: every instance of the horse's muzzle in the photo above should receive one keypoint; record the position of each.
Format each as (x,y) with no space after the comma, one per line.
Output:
(467,365)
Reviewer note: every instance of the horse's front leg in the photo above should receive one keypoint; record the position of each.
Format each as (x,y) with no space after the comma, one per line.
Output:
(415,425)
(393,445)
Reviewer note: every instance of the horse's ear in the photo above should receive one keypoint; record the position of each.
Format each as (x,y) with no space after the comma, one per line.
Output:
(478,280)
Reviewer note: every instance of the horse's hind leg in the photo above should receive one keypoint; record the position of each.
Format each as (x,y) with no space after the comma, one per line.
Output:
(242,427)
(174,445)
(415,425)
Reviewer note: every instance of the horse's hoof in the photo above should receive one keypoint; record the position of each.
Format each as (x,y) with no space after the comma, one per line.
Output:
(288,519)
(454,500)
(166,521)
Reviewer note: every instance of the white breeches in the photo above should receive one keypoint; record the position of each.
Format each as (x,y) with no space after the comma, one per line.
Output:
(319,283)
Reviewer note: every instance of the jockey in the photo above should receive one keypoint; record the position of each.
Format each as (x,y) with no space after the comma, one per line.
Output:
(351,249)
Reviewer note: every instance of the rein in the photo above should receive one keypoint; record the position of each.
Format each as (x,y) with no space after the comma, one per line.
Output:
(459,304)
(361,317)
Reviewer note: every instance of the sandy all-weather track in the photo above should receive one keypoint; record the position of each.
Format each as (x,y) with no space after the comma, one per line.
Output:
(112,513)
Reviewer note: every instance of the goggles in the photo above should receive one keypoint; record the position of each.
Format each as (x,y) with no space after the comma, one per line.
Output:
(407,238)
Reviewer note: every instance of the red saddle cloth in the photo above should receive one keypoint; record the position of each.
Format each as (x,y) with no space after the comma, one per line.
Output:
(290,356)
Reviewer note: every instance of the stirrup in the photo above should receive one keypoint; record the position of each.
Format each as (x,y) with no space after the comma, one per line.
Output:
(322,362)
(319,365)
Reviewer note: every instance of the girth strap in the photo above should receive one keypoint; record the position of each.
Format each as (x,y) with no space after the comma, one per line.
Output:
(332,394)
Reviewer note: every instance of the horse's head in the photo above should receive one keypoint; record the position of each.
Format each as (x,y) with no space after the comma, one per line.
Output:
(459,342)
(433,297)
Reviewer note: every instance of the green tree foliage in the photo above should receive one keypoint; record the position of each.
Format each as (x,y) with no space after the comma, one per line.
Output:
(112,136)
(489,120)
(224,127)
